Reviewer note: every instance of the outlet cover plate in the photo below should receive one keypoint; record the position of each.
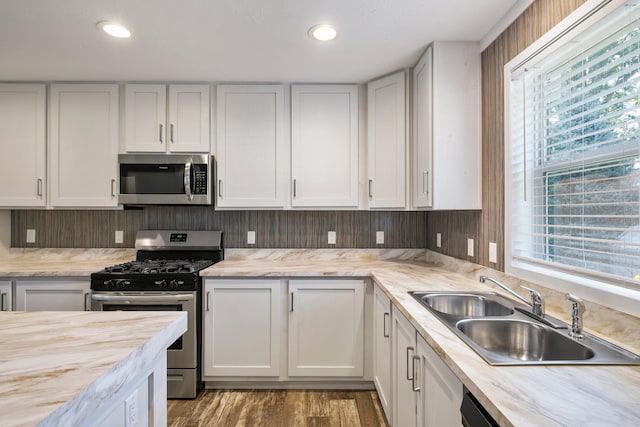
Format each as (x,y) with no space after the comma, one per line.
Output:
(493,252)
(331,237)
(379,237)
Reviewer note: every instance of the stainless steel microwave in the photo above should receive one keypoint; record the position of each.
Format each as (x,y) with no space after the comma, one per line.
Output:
(165,179)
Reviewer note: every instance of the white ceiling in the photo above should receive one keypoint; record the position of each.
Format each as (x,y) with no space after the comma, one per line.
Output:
(230,40)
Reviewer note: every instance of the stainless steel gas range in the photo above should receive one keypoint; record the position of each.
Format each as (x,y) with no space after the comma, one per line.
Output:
(165,277)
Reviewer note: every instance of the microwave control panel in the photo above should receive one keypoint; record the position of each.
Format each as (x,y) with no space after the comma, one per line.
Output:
(201,179)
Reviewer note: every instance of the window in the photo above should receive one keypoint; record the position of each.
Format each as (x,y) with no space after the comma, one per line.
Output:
(574,149)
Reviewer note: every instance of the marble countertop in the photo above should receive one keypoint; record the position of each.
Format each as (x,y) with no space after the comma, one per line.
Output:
(513,395)
(61,262)
(57,367)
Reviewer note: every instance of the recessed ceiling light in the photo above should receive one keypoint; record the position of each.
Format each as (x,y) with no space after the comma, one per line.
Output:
(114,29)
(323,32)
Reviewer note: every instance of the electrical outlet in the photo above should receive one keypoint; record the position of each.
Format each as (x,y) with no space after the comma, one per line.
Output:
(131,411)
(470,247)
(438,240)
(493,252)
(331,237)
(379,237)
(31,235)
(119,237)
(251,237)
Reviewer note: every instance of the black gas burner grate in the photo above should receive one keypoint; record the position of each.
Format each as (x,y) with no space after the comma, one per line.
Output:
(159,266)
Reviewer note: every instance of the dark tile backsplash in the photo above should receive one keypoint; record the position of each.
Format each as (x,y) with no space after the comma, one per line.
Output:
(274,229)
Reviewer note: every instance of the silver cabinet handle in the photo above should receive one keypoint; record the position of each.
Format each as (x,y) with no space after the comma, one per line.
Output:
(161,133)
(425,182)
(220,188)
(171,132)
(86,298)
(39,187)
(294,188)
(409,349)
(3,297)
(370,195)
(385,331)
(292,302)
(414,378)
(207,298)
(113,191)
(188,170)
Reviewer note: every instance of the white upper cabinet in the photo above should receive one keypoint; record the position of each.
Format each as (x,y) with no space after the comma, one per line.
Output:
(148,127)
(446,171)
(22,126)
(83,145)
(324,145)
(252,153)
(386,142)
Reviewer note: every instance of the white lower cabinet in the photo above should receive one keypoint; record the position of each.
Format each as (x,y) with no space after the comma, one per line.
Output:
(403,348)
(326,328)
(425,391)
(53,294)
(382,349)
(251,333)
(440,394)
(241,327)
(6,296)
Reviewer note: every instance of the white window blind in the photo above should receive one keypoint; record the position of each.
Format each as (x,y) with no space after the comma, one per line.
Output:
(575,153)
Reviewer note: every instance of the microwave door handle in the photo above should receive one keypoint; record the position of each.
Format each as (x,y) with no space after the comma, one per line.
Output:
(188,170)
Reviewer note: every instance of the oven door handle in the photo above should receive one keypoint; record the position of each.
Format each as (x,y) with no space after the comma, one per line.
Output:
(142,298)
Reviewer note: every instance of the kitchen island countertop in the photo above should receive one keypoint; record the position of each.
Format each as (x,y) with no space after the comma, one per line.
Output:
(59,368)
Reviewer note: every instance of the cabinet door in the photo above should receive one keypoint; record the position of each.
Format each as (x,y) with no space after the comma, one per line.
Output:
(53,295)
(326,328)
(241,328)
(441,390)
(422,174)
(457,142)
(252,152)
(386,142)
(189,114)
(6,296)
(83,145)
(382,349)
(22,126)
(324,145)
(403,346)
(145,109)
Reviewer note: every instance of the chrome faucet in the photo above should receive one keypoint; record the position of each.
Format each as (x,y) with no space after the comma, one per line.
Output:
(577,310)
(536,303)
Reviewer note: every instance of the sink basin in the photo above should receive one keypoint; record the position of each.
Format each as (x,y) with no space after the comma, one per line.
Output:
(464,305)
(523,340)
(504,332)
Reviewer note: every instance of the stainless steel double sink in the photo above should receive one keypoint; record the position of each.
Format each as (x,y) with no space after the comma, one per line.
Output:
(504,332)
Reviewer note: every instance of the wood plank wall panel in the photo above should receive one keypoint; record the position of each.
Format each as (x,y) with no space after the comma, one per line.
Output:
(274,229)
(488,225)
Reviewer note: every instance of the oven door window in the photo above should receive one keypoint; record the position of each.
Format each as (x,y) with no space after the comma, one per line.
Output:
(177,345)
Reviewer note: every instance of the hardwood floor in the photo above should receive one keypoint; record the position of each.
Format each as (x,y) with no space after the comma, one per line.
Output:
(325,408)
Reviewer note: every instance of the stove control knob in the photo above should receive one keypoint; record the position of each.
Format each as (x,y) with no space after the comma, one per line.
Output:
(173,284)
(161,283)
(121,283)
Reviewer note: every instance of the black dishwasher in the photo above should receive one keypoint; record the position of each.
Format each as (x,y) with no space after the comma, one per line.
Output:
(473,414)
